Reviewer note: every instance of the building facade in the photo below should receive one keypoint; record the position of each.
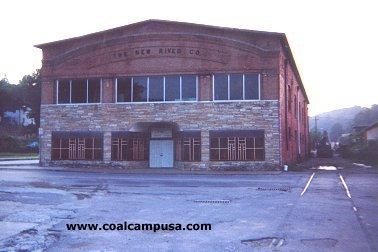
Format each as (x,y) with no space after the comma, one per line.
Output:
(174,95)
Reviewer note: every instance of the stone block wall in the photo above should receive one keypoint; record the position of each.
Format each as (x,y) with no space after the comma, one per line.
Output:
(203,116)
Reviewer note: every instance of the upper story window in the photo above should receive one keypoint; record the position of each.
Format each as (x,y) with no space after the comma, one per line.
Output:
(78,91)
(236,87)
(157,88)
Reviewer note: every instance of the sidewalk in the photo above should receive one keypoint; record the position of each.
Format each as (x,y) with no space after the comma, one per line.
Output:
(7,162)
(33,164)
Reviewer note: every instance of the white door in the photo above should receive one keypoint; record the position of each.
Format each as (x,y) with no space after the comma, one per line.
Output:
(161,153)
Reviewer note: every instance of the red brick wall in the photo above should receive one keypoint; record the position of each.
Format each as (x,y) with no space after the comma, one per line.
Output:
(294,146)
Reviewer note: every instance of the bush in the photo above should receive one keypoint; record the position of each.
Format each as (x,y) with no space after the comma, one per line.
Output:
(10,144)
(369,153)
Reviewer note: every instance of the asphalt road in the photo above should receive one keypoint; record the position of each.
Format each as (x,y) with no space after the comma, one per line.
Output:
(329,209)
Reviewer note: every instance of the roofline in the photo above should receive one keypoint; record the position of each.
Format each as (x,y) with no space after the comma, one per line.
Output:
(371,126)
(43,45)
(287,49)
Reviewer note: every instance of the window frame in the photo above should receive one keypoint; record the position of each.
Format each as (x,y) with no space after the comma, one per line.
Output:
(229,87)
(164,89)
(70,91)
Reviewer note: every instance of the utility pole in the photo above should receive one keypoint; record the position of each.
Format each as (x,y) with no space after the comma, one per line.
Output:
(316,130)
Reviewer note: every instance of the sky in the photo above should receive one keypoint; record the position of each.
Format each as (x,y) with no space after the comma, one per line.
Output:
(334,42)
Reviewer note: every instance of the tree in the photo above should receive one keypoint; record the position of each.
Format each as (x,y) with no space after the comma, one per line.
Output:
(336,132)
(366,117)
(30,93)
(8,98)
(26,94)
(315,137)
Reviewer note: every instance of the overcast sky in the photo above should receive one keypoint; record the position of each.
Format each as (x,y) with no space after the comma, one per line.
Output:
(334,42)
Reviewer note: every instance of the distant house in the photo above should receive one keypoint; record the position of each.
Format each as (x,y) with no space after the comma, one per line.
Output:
(371,132)
(19,117)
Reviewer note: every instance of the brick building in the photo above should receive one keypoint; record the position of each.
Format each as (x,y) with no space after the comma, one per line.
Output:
(175,95)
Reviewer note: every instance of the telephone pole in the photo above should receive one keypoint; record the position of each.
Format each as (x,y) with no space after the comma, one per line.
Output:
(316,130)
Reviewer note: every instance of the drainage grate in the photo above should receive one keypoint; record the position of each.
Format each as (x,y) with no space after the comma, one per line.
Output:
(213,201)
(282,189)
(271,242)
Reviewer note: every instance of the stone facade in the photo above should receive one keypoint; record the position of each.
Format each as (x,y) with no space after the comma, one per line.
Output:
(122,117)
(166,48)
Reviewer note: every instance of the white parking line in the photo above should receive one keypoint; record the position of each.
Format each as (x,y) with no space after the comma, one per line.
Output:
(345,186)
(308,183)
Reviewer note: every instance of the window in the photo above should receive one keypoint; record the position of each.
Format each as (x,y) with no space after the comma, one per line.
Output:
(64,93)
(78,91)
(94,88)
(77,146)
(221,87)
(157,88)
(289,99)
(140,89)
(236,86)
(189,87)
(130,146)
(172,88)
(124,90)
(252,86)
(188,146)
(237,145)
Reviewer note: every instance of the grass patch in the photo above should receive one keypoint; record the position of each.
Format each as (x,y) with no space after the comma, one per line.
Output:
(11,155)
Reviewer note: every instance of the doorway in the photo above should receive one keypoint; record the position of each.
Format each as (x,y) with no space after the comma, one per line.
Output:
(161,153)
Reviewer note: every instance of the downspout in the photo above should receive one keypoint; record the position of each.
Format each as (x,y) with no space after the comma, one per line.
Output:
(299,125)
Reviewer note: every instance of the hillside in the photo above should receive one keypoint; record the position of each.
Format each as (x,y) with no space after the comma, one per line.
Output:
(343,116)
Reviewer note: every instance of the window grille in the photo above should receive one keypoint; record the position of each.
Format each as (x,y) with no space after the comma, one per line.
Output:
(69,147)
(129,147)
(236,148)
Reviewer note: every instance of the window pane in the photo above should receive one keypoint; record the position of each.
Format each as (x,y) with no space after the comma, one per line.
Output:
(214,154)
(223,154)
(259,142)
(214,142)
(63,91)
(94,87)
(220,87)
(197,152)
(189,90)
(156,88)
(223,142)
(124,90)
(172,88)
(250,154)
(236,87)
(252,86)
(259,155)
(79,91)
(140,89)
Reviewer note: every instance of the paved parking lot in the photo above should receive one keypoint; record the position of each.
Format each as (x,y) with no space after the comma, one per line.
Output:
(328,209)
